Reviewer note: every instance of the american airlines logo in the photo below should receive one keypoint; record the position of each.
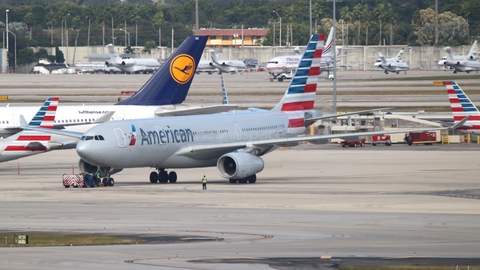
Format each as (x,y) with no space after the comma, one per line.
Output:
(165,136)
(92,112)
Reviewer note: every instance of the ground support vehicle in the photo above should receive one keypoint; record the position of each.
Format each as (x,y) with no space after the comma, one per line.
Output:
(381,139)
(350,143)
(425,137)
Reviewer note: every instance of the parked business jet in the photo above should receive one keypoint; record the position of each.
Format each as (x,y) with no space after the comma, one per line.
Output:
(392,64)
(458,57)
(233,141)
(204,66)
(131,65)
(460,65)
(463,107)
(229,66)
(27,142)
(283,67)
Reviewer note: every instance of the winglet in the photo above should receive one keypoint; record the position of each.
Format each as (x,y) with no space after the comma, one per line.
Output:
(171,82)
(461,123)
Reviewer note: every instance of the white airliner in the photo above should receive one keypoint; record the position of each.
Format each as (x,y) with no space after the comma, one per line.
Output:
(228,66)
(233,141)
(460,65)
(392,64)
(283,67)
(131,65)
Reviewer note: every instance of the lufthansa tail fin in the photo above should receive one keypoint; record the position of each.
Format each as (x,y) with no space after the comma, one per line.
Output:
(171,82)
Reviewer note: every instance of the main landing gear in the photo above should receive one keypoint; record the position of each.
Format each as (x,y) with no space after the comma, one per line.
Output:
(250,179)
(163,176)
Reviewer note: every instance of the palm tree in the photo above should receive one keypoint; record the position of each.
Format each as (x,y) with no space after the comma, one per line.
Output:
(157,21)
(51,20)
(380,12)
(29,21)
(149,45)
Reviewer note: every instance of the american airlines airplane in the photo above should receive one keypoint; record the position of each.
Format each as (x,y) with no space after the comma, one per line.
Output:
(283,67)
(463,107)
(131,65)
(392,64)
(27,142)
(232,141)
(460,65)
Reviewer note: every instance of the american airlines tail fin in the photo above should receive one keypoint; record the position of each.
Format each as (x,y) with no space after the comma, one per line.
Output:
(171,82)
(399,55)
(462,107)
(300,95)
(27,143)
(327,51)
(473,50)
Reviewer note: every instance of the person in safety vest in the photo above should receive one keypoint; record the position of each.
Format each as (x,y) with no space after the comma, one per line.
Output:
(204,182)
(99,178)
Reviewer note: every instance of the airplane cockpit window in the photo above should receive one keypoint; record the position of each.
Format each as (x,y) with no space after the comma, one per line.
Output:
(378,61)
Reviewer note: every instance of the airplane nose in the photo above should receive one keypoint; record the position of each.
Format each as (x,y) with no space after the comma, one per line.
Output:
(87,151)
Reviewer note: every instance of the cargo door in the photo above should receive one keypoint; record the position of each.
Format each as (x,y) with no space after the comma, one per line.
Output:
(122,140)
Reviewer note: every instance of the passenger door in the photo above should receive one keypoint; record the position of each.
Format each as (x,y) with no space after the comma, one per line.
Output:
(122,140)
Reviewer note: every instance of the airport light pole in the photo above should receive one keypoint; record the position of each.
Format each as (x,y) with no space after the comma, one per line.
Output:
(280,38)
(15,52)
(6,27)
(127,34)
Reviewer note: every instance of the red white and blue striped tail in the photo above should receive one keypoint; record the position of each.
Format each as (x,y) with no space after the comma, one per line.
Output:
(300,95)
(462,107)
(45,117)
(27,143)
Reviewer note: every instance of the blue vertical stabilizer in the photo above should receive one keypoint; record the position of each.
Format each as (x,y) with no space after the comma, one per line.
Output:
(171,82)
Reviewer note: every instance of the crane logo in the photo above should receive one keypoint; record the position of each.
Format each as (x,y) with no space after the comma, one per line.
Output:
(182,68)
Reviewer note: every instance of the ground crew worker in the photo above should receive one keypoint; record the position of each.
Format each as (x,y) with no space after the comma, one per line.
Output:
(99,177)
(204,182)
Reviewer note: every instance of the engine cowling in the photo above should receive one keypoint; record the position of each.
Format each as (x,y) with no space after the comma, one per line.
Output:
(87,167)
(128,62)
(239,165)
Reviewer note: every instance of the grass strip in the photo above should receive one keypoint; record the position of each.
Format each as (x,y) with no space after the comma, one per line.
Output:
(53,239)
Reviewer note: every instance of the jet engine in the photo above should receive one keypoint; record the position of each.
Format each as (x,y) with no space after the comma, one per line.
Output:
(108,64)
(128,62)
(87,167)
(239,165)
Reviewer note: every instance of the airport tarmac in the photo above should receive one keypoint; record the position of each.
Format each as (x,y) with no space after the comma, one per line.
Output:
(356,204)
(369,89)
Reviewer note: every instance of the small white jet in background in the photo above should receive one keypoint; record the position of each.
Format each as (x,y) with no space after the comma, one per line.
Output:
(392,64)
(131,65)
(465,64)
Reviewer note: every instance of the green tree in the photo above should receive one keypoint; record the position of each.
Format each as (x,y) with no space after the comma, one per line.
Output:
(29,20)
(149,46)
(59,57)
(157,21)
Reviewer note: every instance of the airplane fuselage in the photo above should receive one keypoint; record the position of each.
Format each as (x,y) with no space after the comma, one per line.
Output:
(157,142)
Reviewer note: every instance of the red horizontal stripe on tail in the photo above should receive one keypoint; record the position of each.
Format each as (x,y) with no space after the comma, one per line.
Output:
(34,138)
(51,108)
(451,92)
(24,148)
(472,118)
(310,88)
(314,71)
(295,123)
(298,106)
(460,109)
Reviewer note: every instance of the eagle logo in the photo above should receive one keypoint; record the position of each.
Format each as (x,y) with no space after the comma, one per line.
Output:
(133,137)
(182,68)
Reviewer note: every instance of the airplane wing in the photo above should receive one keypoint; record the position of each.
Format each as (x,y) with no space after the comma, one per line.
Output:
(106,117)
(205,151)
(344,114)
(197,111)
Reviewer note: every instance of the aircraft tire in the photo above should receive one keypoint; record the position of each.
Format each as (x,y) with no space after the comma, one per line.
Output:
(172,177)
(104,181)
(243,180)
(153,177)
(252,179)
(163,177)
(232,181)
(111,182)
